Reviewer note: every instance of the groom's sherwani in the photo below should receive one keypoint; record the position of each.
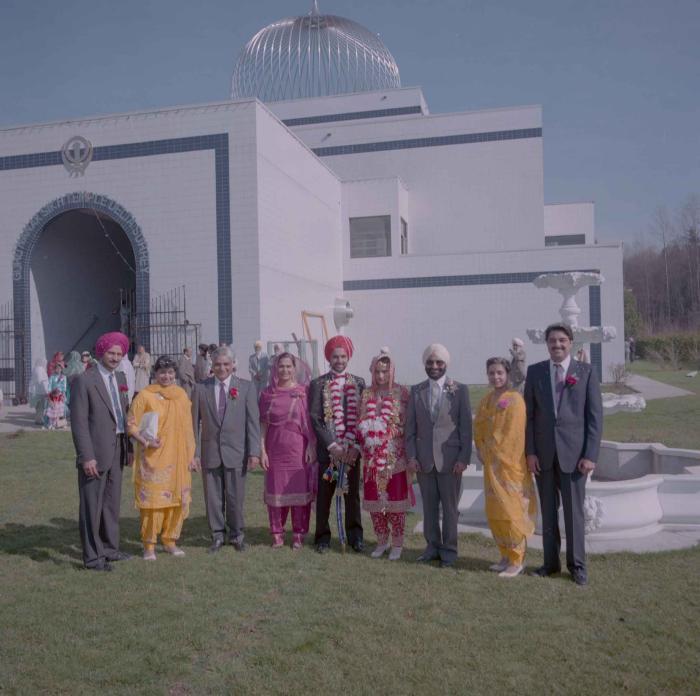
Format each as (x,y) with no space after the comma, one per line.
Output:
(439,434)
(560,431)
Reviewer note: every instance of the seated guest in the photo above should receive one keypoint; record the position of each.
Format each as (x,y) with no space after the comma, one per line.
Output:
(163,465)
(380,434)
(288,453)
(509,492)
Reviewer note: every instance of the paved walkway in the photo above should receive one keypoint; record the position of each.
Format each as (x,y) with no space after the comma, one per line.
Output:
(13,418)
(651,389)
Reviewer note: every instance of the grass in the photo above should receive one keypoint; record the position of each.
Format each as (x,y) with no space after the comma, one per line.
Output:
(673,422)
(277,622)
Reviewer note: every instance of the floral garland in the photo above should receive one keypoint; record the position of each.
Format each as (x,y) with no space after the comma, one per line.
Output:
(342,422)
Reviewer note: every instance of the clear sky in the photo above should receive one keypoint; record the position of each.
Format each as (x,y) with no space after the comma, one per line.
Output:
(619,80)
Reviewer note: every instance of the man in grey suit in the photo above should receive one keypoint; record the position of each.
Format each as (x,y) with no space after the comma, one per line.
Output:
(99,405)
(564,428)
(228,443)
(438,447)
(259,366)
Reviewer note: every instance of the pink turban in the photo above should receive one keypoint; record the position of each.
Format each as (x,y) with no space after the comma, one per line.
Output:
(106,341)
(339,342)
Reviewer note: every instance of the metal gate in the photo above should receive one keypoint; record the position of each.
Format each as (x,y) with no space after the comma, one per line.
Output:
(165,328)
(8,365)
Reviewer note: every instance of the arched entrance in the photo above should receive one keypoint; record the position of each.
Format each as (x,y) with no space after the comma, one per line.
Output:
(88,261)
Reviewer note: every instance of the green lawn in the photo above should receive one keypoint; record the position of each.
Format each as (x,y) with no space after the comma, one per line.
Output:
(673,422)
(279,622)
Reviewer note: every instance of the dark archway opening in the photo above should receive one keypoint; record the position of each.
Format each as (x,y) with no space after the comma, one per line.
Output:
(83,266)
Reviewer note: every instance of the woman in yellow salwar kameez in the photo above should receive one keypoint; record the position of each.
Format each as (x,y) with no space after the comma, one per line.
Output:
(163,465)
(499,435)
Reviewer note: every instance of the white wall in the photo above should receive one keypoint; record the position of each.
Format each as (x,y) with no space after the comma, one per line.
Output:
(479,321)
(570,218)
(300,252)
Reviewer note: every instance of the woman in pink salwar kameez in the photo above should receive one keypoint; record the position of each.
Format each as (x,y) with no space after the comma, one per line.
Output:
(288,449)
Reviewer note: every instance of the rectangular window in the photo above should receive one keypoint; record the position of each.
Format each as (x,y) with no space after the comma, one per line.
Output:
(564,239)
(370,236)
(404,237)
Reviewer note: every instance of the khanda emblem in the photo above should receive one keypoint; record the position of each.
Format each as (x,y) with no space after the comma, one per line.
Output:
(76,155)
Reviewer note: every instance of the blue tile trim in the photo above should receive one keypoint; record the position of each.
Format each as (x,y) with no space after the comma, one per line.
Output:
(464,139)
(594,303)
(217,142)
(353,116)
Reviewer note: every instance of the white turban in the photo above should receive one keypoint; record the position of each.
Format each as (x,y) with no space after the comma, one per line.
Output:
(437,350)
(518,342)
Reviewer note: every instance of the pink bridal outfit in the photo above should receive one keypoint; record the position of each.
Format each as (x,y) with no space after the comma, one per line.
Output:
(290,482)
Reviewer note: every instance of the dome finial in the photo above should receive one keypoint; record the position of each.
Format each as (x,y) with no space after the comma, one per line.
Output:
(314,9)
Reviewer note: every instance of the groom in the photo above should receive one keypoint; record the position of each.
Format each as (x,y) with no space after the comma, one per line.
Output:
(438,447)
(334,403)
(564,428)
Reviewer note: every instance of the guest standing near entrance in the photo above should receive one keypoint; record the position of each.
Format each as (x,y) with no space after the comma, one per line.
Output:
(98,425)
(201,366)
(439,445)
(163,465)
(334,400)
(228,444)
(380,434)
(142,368)
(288,450)
(259,367)
(185,372)
(39,390)
(564,427)
(58,382)
(509,492)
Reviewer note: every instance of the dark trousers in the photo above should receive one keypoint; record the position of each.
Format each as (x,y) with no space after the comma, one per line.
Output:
(555,486)
(440,490)
(353,511)
(98,516)
(224,493)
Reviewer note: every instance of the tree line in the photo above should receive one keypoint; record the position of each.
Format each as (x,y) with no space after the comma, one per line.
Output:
(662,280)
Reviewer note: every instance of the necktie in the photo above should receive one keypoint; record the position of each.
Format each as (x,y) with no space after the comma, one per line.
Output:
(558,382)
(118,413)
(222,402)
(434,399)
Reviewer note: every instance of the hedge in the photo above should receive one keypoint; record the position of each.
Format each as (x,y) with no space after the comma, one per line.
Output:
(675,348)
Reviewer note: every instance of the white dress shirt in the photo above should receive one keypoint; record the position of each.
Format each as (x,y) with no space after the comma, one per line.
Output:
(105,374)
(553,379)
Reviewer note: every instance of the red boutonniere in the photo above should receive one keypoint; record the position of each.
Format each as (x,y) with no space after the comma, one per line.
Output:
(233,393)
(571,380)
(123,388)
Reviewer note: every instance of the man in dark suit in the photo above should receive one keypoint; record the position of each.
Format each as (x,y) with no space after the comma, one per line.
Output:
(438,447)
(99,404)
(564,428)
(228,443)
(334,406)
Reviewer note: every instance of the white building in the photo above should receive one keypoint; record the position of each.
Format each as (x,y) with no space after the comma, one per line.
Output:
(432,226)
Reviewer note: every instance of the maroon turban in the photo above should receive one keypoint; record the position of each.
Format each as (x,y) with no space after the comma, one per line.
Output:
(106,341)
(339,342)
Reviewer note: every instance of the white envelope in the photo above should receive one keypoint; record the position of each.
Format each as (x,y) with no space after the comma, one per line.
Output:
(148,427)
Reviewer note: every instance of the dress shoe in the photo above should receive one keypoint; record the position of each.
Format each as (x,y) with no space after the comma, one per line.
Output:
(119,556)
(543,572)
(511,571)
(447,564)
(579,576)
(105,566)
(216,546)
(322,548)
(239,545)
(358,546)
(427,558)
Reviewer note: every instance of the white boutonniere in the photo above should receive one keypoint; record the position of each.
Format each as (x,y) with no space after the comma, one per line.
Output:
(450,386)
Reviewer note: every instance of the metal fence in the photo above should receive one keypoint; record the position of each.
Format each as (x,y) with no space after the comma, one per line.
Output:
(306,350)
(7,354)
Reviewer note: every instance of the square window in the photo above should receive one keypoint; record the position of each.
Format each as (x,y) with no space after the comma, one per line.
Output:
(370,236)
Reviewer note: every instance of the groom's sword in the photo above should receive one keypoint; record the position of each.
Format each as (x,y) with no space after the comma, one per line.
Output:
(339,492)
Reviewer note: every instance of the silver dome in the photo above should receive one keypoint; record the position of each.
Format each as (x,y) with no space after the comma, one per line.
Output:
(312,56)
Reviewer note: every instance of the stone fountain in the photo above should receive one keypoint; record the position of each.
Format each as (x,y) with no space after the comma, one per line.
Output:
(568,284)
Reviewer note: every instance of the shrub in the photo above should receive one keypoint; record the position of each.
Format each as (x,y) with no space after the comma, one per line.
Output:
(670,348)
(618,373)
